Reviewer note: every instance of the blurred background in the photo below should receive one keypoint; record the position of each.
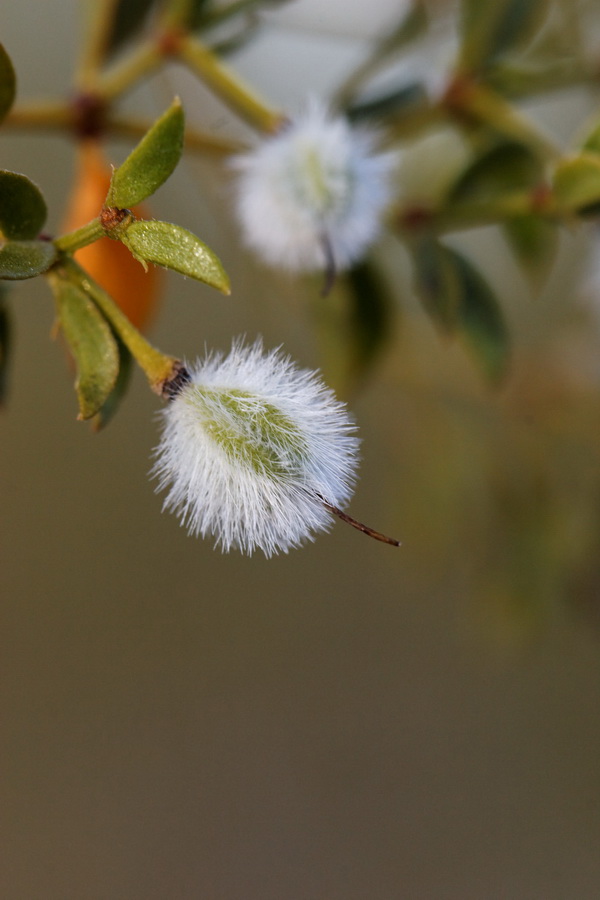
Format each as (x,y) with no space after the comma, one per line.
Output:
(351,721)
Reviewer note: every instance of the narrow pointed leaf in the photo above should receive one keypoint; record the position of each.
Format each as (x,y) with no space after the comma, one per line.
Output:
(92,344)
(8,83)
(22,207)
(152,161)
(25,259)
(175,248)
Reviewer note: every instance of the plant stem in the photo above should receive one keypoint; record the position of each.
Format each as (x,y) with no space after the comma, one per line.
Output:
(158,367)
(146,57)
(468,98)
(59,116)
(81,237)
(198,141)
(228,86)
(42,114)
(467,215)
(100,17)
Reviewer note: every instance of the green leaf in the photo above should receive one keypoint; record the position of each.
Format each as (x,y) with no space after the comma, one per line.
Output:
(463,304)
(22,207)
(8,83)
(438,282)
(592,142)
(493,27)
(175,248)
(534,241)
(196,14)
(5,348)
(92,344)
(369,317)
(481,323)
(394,103)
(25,259)
(508,166)
(113,401)
(577,183)
(152,161)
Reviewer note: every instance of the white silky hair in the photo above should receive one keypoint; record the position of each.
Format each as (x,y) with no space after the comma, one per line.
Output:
(286,415)
(317,182)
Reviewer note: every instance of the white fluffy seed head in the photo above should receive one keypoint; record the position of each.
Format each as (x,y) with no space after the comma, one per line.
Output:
(317,189)
(250,447)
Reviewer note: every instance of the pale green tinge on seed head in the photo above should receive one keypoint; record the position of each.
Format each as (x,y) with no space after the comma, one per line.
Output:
(251,431)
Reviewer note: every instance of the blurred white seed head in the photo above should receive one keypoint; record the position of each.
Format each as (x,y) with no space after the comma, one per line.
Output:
(250,448)
(315,190)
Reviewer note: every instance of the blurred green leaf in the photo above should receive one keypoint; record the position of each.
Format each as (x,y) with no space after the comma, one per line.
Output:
(396,102)
(175,248)
(493,27)
(151,162)
(577,183)
(113,401)
(5,347)
(369,317)
(438,282)
(92,344)
(592,142)
(196,14)
(534,241)
(8,83)
(508,166)
(463,304)
(22,207)
(129,18)
(25,259)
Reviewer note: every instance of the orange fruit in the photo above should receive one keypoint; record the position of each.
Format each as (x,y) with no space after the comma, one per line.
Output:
(109,262)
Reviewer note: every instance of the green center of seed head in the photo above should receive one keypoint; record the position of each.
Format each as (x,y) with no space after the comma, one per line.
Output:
(251,431)
(321,185)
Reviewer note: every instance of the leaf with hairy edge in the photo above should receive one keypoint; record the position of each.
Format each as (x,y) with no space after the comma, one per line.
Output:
(92,344)
(151,162)
(113,401)
(463,304)
(8,83)
(22,207)
(25,259)
(175,248)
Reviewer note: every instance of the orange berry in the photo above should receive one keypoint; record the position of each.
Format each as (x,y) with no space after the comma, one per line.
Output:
(109,262)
